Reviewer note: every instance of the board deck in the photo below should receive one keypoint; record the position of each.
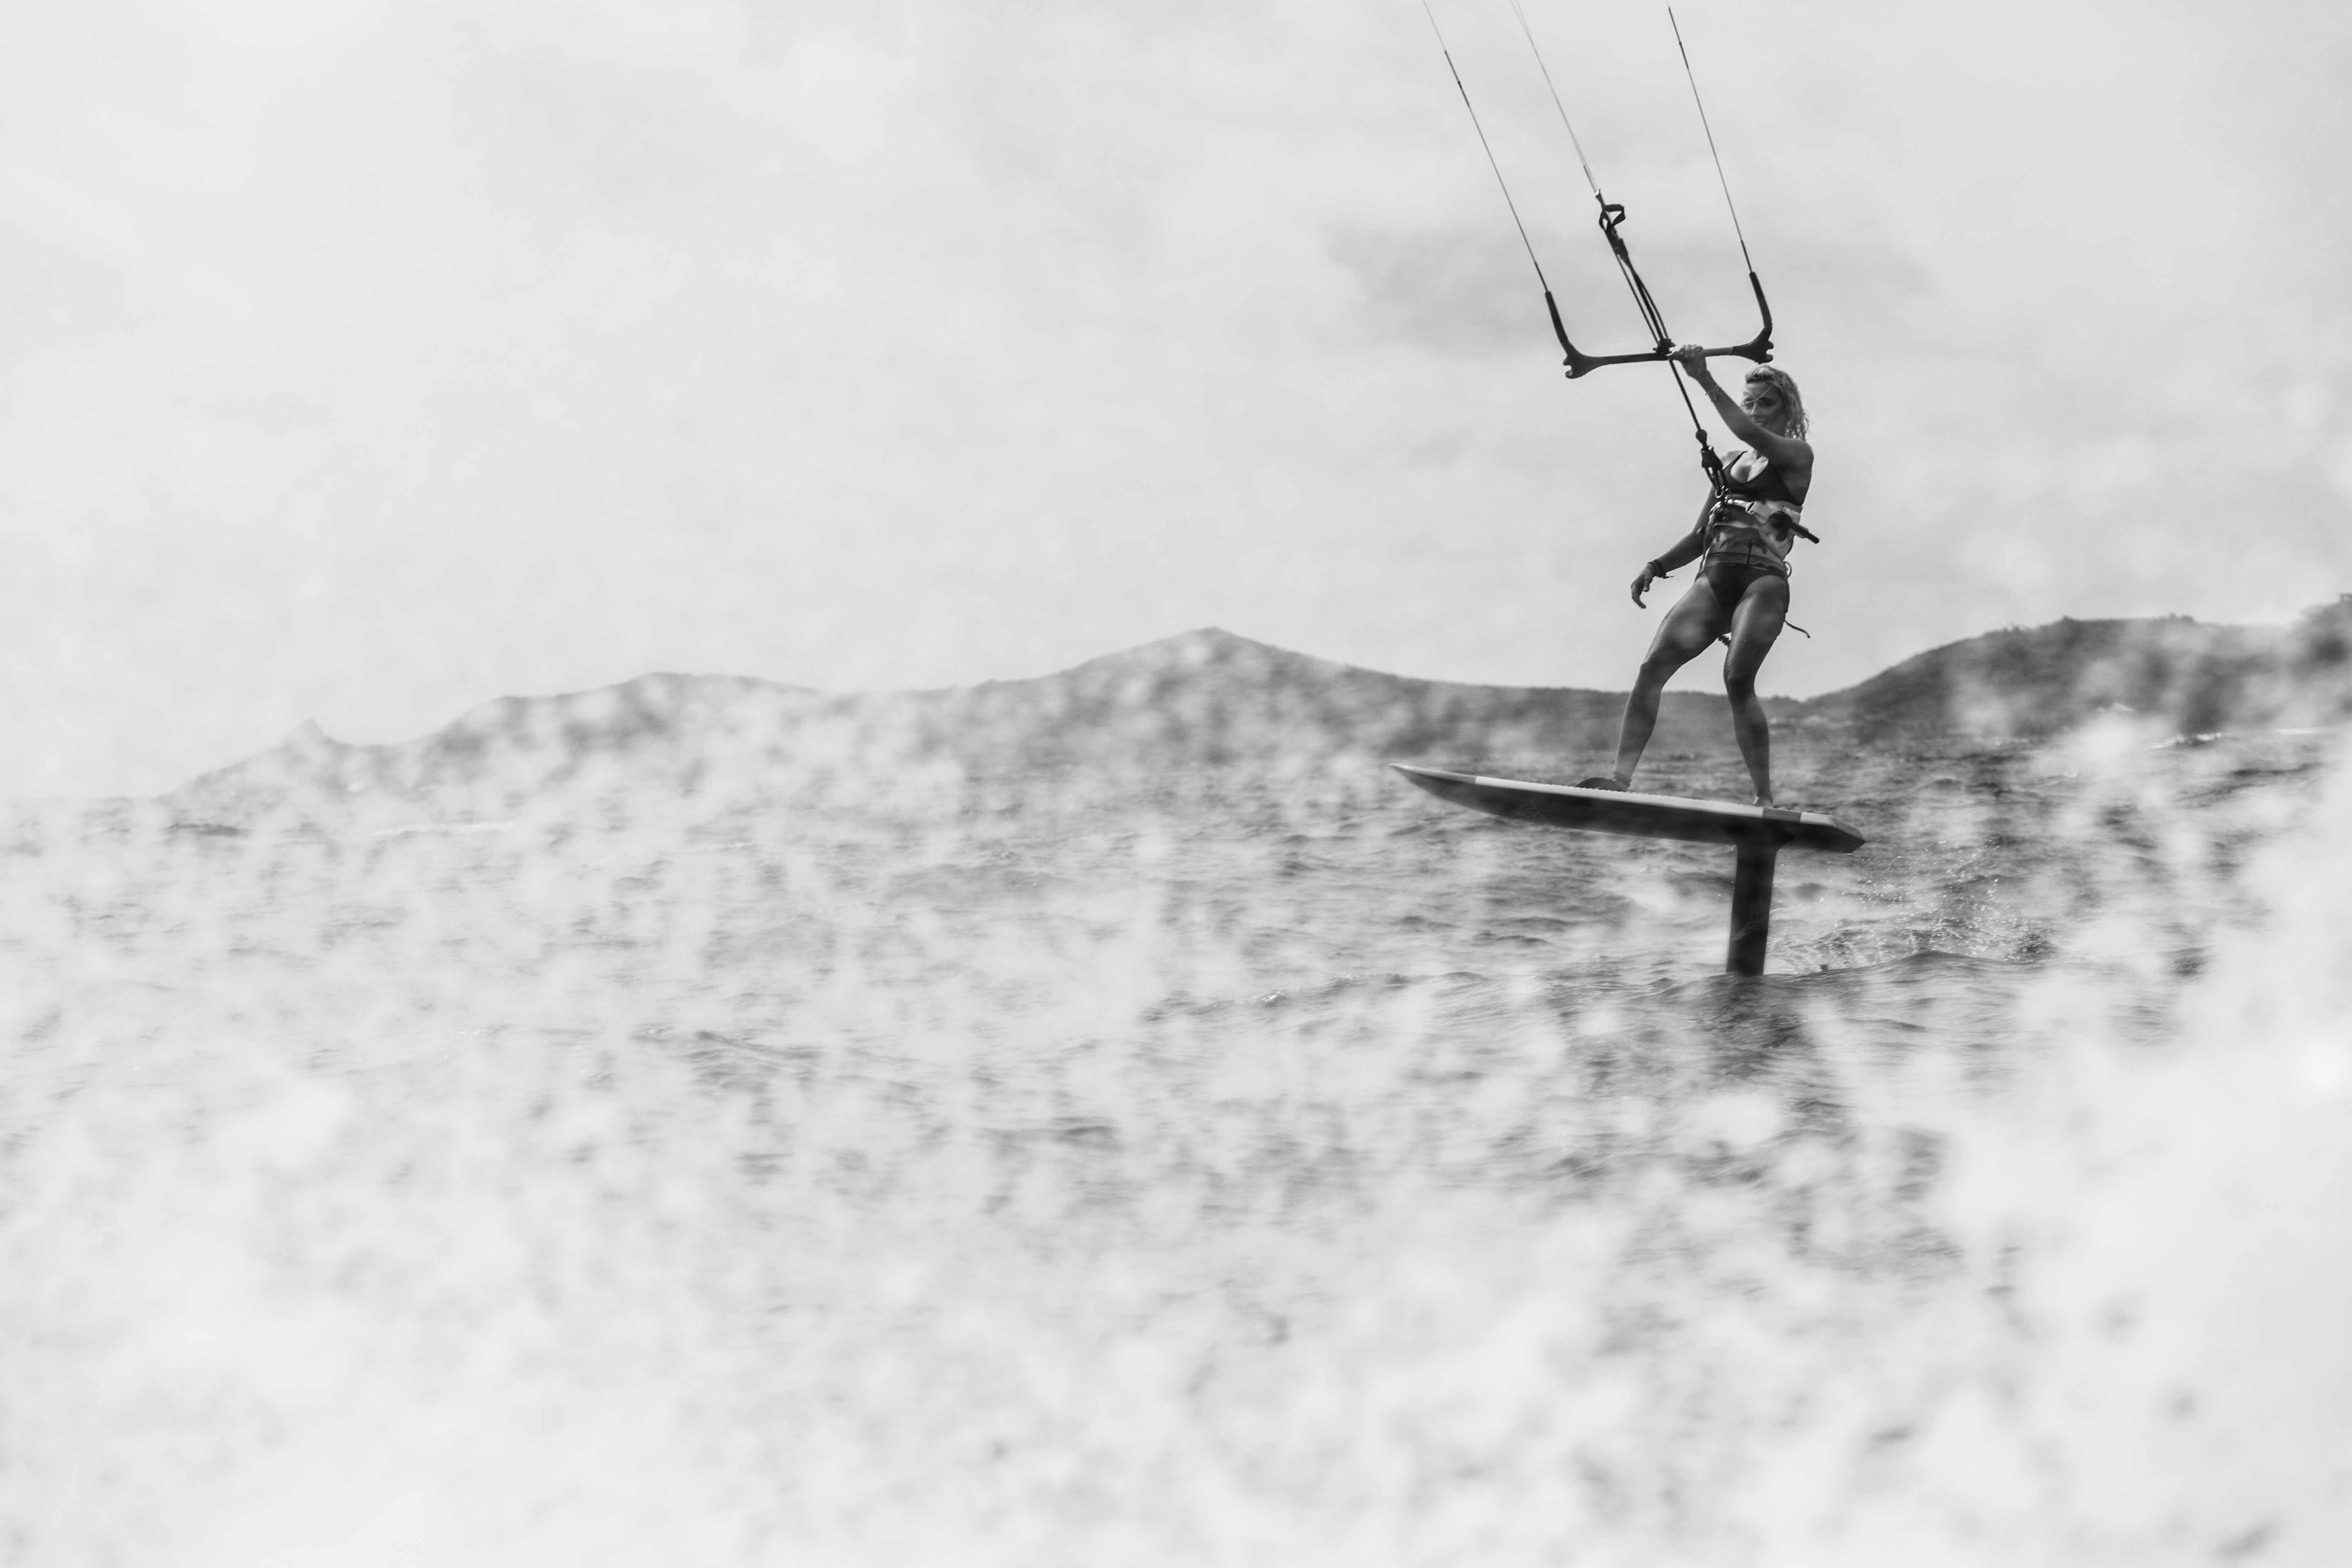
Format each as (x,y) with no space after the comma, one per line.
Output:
(1639,816)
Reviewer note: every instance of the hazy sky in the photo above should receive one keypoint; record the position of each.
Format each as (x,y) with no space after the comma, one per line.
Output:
(370,361)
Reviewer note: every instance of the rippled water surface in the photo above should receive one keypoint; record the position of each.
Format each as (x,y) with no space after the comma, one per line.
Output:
(1226,1168)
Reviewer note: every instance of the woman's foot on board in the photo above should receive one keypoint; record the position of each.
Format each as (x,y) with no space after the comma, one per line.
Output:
(1602,781)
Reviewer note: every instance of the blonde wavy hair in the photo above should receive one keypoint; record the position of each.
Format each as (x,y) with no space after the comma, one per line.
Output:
(1785,385)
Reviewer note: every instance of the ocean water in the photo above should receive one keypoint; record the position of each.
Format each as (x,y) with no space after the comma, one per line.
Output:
(1215,1165)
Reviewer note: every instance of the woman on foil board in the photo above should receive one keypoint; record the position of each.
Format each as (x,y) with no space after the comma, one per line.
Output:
(1752,517)
(1755,500)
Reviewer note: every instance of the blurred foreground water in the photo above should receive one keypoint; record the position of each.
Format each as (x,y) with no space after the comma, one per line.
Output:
(1233,1169)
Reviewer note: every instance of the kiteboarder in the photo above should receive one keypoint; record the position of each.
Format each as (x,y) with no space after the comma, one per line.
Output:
(1741,542)
(1755,500)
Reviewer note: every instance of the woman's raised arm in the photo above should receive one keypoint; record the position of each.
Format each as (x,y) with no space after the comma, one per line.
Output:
(1791,456)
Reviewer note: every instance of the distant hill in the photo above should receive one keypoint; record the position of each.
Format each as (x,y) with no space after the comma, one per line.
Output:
(2188,676)
(1205,698)
(1210,699)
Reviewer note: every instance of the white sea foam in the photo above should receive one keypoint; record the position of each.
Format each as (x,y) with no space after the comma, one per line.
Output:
(967,1175)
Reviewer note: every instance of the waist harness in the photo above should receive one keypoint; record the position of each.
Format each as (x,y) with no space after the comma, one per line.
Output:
(1754,521)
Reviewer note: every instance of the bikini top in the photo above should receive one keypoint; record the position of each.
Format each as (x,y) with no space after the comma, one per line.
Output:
(1767,483)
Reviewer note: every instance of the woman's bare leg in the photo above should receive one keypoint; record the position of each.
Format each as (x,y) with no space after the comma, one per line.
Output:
(1697,620)
(1755,626)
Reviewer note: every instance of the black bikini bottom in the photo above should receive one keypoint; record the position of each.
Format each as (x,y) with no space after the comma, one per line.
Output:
(1728,579)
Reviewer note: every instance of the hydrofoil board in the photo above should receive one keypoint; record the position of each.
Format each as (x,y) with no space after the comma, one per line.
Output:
(1638,816)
